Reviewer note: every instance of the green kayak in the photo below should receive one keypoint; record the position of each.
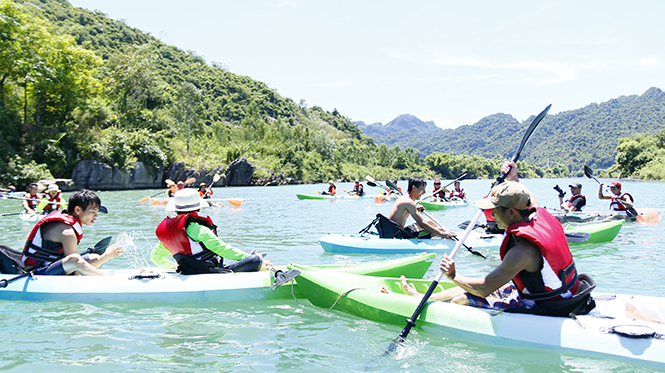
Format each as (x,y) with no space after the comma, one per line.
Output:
(607,331)
(443,205)
(598,232)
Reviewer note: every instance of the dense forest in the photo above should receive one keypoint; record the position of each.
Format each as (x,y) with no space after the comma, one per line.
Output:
(77,85)
(568,139)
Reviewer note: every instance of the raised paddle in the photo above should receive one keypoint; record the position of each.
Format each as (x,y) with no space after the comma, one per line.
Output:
(588,172)
(394,187)
(371,179)
(460,177)
(410,323)
(188,181)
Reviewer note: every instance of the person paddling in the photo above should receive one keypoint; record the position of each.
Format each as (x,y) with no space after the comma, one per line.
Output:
(457,194)
(51,245)
(438,194)
(358,189)
(31,206)
(192,240)
(332,189)
(534,256)
(51,200)
(205,192)
(394,226)
(622,202)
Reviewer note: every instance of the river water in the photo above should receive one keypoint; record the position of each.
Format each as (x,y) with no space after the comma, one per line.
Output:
(293,335)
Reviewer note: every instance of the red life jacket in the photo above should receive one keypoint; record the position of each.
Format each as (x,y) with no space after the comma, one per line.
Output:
(50,207)
(440,194)
(331,189)
(576,196)
(32,204)
(34,255)
(616,206)
(488,215)
(458,193)
(558,274)
(171,233)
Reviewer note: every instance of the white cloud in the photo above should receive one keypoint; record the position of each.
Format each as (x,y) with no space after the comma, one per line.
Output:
(649,61)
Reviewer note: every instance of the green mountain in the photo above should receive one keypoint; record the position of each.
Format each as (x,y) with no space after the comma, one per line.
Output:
(572,138)
(77,85)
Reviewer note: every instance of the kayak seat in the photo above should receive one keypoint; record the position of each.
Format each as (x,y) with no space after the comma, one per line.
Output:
(387,228)
(10,261)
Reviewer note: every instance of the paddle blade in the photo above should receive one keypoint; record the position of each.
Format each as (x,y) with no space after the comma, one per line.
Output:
(588,172)
(144,199)
(100,247)
(393,186)
(369,178)
(577,237)
(216,178)
(371,183)
(190,180)
(236,202)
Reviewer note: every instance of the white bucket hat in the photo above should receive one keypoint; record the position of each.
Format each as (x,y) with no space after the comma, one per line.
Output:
(53,187)
(186,200)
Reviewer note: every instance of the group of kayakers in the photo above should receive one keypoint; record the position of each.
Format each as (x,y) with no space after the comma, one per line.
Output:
(537,273)
(439,193)
(51,200)
(358,189)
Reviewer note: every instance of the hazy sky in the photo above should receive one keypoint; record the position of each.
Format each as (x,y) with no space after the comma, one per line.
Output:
(450,62)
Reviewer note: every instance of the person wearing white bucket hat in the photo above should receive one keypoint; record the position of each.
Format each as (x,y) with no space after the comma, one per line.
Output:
(192,240)
(51,200)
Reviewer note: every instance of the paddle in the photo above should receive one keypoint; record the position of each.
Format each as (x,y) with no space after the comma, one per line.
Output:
(471,250)
(393,186)
(11,213)
(371,179)
(460,177)
(99,248)
(571,237)
(33,199)
(410,323)
(188,181)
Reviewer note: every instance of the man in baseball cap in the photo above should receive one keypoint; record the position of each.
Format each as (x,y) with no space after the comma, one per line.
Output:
(577,200)
(622,202)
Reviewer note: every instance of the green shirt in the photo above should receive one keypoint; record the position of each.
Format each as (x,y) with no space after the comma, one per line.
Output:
(199,233)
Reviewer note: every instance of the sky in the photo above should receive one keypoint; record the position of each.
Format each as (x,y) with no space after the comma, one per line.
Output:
(450,62)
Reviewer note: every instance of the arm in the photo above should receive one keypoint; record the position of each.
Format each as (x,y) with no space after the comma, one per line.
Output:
(523,256)
(601,195)
(206,236)
(564,206)
(159,256)
(510,169)
(427,224)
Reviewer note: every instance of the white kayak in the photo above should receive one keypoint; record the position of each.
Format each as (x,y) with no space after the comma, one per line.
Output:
(607,331)
(373,244)
(157,286)
(24,216)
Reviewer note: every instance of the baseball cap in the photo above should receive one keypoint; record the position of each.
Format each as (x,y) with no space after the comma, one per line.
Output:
(615,183)
(508,194)
(575,184)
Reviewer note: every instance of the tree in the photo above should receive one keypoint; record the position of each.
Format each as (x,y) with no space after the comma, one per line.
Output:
(188,108)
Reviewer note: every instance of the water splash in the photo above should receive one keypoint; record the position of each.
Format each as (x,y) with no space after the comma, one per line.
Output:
(136,246)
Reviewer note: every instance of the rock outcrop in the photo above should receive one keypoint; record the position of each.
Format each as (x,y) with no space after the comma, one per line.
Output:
(96,175)
(240,172)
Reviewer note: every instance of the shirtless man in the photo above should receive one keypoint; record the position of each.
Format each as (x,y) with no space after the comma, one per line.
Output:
(405,206)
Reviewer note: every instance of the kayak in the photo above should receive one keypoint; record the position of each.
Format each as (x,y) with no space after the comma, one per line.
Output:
(603,333)
(598,232)
(213,202)
(443,205)
(383,198)
(328,196)
(644,215)
(24,216)
(373,244)
(157,286)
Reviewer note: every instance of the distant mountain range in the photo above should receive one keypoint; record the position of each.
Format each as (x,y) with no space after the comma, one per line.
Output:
(588,135)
